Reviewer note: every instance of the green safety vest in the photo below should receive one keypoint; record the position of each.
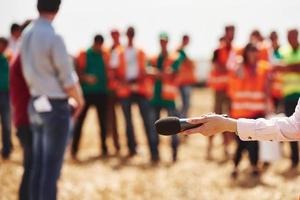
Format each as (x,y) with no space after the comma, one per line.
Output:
(95,66)
(291,80)
(4,74)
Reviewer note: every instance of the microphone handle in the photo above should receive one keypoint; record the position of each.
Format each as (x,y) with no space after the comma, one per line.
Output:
(186,126)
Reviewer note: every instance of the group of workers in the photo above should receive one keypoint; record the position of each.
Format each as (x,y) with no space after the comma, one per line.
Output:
(48,94)
(123,75)
(253,82)
(37,79)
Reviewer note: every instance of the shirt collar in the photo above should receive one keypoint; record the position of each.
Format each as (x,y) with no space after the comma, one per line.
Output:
(44,22)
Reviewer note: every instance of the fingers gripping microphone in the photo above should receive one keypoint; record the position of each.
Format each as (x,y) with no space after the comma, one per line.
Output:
(173,125)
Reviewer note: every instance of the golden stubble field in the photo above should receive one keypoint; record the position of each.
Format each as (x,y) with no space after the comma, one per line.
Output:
(191,178)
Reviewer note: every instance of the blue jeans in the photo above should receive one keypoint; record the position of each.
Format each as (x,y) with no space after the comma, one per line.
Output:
(145,111)
(24,134)
(5,124)
(174,138)
(185,92)
(50,136)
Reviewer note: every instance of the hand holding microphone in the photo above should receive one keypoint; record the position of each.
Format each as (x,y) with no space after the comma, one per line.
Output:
(207,125)
(173,125)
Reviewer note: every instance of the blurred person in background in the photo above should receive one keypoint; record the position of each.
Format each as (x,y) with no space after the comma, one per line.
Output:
(275,55)
(218,81)
(4,101)
(134,86)
(259,42)
(276,77)
(249,100)
(20,97)
(14,40)
(51,80)
(291,83)
(92,67)
(186,75)
(165,89)
(117,59)
(268,151)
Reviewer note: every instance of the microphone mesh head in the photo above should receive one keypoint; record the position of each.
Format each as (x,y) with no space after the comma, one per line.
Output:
(168,126)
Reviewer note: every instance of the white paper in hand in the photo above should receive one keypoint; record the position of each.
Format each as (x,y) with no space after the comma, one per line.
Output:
(42,104)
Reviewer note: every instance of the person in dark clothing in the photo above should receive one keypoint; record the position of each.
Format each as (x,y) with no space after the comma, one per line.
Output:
(4,101)
(19,95)
(91,67)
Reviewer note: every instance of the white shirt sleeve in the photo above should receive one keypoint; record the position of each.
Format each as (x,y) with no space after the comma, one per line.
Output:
(275,129)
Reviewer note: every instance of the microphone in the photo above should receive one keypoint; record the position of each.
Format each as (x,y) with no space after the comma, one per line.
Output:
(173,125)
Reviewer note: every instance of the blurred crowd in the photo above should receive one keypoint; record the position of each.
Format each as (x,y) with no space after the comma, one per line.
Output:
(36,78)
(120,75)
(259,80)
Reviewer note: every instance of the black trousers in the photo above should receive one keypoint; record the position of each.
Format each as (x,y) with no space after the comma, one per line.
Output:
(289,106)
(24,134)
(100,102)
(251,147)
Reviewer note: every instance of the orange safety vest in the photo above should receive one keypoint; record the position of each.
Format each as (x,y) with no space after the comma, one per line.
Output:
(144,83)
(276,85)
(263,53)
(218,80)
(169,87)
(113,82)
(248,92)
(186,74)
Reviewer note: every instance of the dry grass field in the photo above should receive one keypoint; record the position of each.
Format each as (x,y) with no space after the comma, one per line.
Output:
(191,178)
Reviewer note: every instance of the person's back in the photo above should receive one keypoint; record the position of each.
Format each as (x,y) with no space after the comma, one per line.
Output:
(41,62)
(51,80)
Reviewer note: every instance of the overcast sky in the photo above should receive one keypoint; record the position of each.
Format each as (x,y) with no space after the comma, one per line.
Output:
(79,20)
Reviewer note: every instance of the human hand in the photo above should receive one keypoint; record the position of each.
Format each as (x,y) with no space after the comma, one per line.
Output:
(76,99)
(77,107)
(90,79)
(211,125)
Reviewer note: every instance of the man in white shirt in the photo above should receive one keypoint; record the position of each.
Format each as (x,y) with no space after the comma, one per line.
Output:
(14,40)
(134,87)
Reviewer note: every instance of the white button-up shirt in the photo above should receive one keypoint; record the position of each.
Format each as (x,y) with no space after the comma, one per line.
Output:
(275,129)
(132,71)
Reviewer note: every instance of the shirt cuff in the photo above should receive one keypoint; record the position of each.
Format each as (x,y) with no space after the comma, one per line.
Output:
(70,80)
(246,129)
